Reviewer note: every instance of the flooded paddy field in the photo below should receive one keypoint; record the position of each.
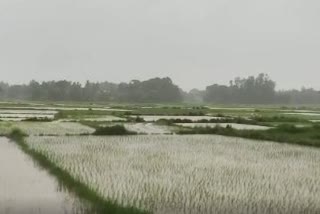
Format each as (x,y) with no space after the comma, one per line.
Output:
(201,174)
(156,168)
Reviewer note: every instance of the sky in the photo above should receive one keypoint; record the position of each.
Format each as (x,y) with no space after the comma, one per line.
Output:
(195,42)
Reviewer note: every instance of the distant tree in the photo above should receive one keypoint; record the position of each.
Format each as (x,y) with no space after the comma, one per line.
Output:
(251,90)
(153,90)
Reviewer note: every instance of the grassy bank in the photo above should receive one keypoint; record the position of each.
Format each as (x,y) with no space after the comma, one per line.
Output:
(98,204)
(307,136)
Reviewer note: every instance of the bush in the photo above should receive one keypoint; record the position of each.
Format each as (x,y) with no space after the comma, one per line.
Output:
(113,130)
(139,120)
(17,134)
(35,119)
(164,122)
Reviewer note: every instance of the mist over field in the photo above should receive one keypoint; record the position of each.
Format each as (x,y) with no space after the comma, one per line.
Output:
(159,106)
(196,43)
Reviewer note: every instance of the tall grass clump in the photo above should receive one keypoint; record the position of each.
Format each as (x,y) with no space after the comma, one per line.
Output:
(285,133)
(17,134)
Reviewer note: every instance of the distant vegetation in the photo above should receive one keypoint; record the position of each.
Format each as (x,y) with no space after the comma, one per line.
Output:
(153,90)
(36,119)
(258,90)
(238,120)
(250,90)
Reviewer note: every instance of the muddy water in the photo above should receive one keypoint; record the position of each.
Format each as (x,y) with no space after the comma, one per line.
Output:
(27,189)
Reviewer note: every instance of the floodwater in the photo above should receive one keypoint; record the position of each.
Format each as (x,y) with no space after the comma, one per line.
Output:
(27,189)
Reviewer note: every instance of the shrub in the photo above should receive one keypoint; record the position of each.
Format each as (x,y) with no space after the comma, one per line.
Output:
(290,129)
(17,134)
(113,130)
(35,119)
(139,120)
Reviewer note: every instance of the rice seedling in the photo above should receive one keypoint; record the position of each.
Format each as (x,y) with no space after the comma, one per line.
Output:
(28,111)
(46,128)
(191,174)
(25,116)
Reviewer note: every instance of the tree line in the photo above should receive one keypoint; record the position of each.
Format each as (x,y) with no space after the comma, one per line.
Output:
(258,89)
(153,90)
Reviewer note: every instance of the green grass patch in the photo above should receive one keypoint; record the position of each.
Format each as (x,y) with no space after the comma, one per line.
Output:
(178,111)
(307,136)
(78,114)
(238,120)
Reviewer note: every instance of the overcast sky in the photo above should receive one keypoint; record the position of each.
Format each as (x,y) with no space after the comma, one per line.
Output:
(195,42)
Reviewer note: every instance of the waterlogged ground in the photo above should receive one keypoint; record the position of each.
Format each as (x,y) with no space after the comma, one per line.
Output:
(165,174)
(205,174)
(26,189)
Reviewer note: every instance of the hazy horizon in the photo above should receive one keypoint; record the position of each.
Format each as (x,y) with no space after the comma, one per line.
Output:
(195,43)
